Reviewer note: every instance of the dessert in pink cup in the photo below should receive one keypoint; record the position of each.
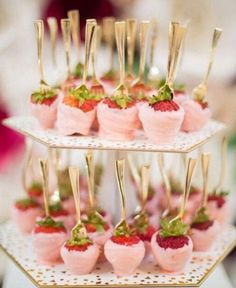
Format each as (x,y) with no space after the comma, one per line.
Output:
(125,253)
(24,214)
(197,115)
(47,237)
(77,112)
(44,107)
(171,247)
(161,118)
(117,118)
(203,231)
(79,253)
(218,207)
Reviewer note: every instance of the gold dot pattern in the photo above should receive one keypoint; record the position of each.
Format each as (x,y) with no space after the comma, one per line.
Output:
(19,248)
(185,142)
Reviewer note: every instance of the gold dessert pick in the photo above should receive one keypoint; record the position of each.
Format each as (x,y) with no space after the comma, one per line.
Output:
(74,17)
(200,91)
(44,175)
(55,158)
(96,87)
(79,231)
(189,173)
(27,163)
(90,179)
(66,34)
(223,155)
(121,89)
(176,36)
(135,173)
(154,74)
(39,29)
(53,30)
(166,183)
(120,169)
(145,174)
(205,159)
(108,35)
(131,36)
(143,37)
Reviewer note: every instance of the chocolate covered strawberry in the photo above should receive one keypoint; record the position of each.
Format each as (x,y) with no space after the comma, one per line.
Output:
(171,245)
(117,117)
(24,214)
(58,213)
(35,191)
(161,117)
(44,107)
(77,112)
(48,236)
(218,206)
(203,231)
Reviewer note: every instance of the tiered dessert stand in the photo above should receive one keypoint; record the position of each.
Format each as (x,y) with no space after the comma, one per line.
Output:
(18,246)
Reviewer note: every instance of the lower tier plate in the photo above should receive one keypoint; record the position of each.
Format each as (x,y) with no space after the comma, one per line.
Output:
(18,247)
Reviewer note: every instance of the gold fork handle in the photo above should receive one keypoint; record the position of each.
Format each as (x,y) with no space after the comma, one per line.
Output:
(205,159)
(89,35)
(120,167)
(44,175)
(39,29)
(145,171)
(66,34)
(120,42)
(131,34)
(90,178)
(143,36)
(215,39)
(108,34)
(176,36)
(189,173)
(94,48)
(224,144)
(153,40)
(165,180)
(73,15)
(53,29)
(74,179)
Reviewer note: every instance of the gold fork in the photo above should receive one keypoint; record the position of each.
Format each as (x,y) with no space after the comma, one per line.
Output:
(199,92)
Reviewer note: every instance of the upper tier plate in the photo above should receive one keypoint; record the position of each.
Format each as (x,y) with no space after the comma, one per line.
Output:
(185,142)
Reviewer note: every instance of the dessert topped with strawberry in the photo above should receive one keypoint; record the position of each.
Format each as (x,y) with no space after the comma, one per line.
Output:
(95,223)
(123,235)
(203,230)
(48,225)
(81,98)
(46,97)
(179,89)
(162,116)
(25,212)
(25,204)
(142,228)
(35,190)
(119,102)
(171,246)
(56,210)
(219,199)
(110,76)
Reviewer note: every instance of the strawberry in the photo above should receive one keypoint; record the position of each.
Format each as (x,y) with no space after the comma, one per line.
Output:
(125,240)
(114,105)
(59,213)
(48,230)
(203,104)
(173,242)
(26,204)
(203,225)
(49,101)
(35,190)
(166,105)
(81,247)
(91,228)
(219,200)
(46,98)
(87,106)
(148,235)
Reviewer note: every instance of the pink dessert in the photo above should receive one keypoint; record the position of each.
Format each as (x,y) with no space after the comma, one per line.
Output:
(197,114)
(35,191)
(204,234)
(24,214)
(80,256)
(171,247)
(44,107)
(48,236)
(125,253)
(77,112)
(218,208)
(117,118)
(58,213)
(180,93)
(161,119)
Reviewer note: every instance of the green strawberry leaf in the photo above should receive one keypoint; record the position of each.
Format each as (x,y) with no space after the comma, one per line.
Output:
(39,97)
(49,222)
(202,216)
(174,228)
